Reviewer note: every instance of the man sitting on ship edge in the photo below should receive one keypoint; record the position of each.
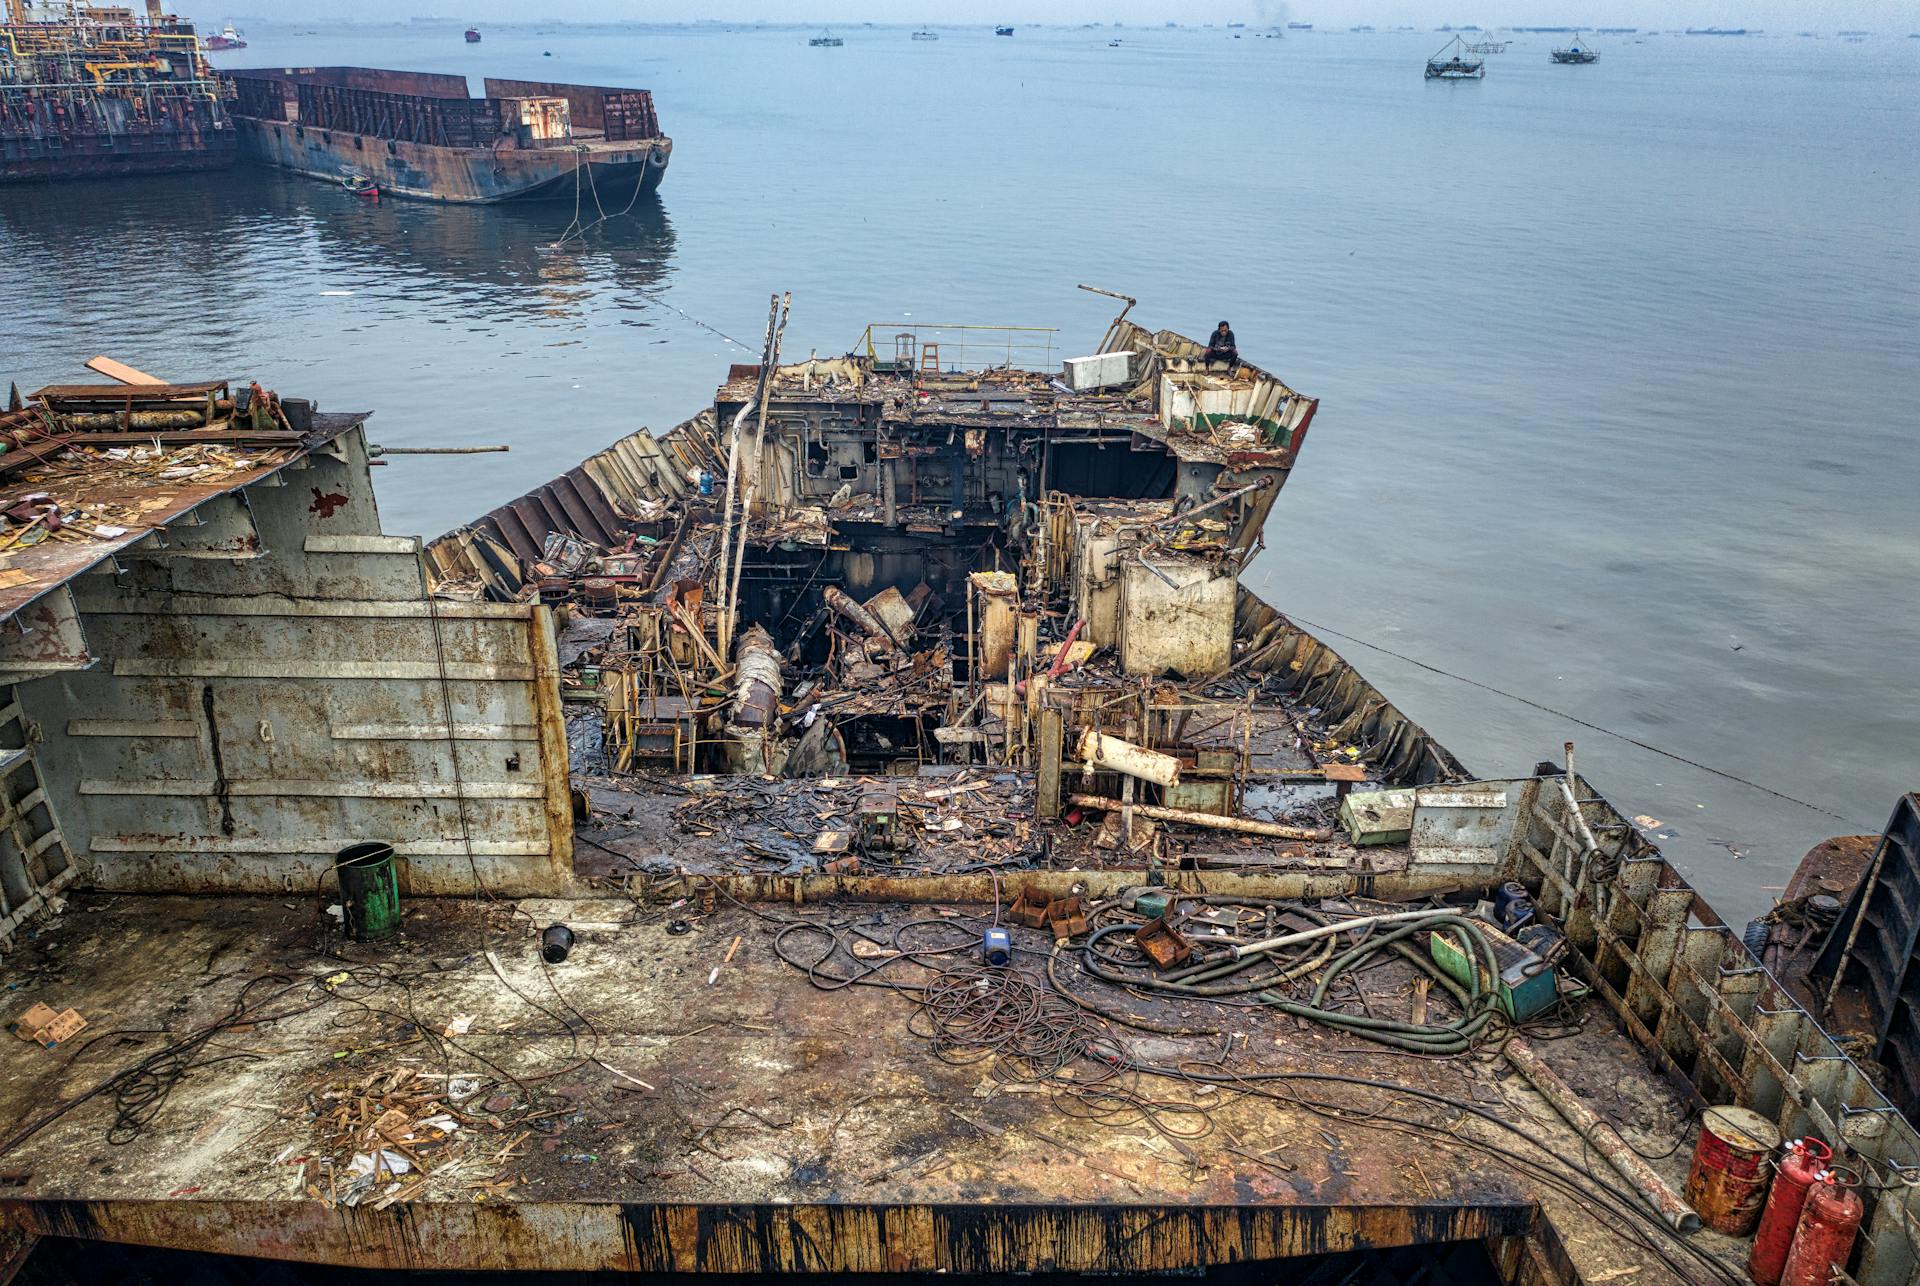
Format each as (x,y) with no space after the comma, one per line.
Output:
(1221,348)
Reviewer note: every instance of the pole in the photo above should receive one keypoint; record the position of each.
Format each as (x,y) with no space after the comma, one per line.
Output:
(1211,821)
(1604,1138)
(1328,930)
(733,461)
(777,329)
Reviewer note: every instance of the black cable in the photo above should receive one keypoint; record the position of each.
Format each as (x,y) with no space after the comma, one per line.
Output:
(1576,719)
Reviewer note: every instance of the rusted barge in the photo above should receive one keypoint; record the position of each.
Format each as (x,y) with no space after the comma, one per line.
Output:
(419,134)
(872,658)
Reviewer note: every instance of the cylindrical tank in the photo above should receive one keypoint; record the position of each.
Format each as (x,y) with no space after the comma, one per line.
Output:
(1829,1222)
(1802,1163)
(1728,1178)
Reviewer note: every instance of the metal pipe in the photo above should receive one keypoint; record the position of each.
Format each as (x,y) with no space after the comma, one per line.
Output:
(1098,750)
(1260,484)
(1671,1206)
(1211,821)
(380,450)
(726,516)
(1059,666)
(840,601)
(1325,930)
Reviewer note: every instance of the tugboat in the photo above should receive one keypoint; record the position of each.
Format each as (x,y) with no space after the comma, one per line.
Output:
(1447,64)
(473,35)
(227,39)
(1003,31)
(1575,53)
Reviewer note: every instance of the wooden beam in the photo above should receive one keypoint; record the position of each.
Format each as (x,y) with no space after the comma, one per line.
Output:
(121,372)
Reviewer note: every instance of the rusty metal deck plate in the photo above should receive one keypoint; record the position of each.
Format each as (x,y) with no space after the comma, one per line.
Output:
(652,1104)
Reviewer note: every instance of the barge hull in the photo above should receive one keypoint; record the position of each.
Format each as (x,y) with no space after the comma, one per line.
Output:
(457,175)
(110,156)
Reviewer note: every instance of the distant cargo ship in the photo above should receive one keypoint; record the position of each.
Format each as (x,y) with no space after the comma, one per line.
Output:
(473,35)
(96,92)
(418,134)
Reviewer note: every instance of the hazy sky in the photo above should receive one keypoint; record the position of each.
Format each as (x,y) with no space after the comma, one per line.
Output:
(1826,15)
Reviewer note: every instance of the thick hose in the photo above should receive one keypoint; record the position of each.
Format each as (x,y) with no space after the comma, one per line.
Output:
(1480,1008)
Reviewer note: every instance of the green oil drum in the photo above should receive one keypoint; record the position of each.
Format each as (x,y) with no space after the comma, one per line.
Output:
(369,890)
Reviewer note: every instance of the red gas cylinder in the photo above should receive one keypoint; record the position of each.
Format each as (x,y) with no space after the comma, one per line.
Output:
(1828,1225)
(1802,1164)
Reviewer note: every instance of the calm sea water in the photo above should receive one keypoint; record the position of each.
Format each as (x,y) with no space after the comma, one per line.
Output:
(1617,362)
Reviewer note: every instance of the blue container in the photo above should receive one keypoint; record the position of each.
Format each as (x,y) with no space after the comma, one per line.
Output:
(996,947)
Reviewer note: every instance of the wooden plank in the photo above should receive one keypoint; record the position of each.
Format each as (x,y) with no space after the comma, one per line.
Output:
(120,371)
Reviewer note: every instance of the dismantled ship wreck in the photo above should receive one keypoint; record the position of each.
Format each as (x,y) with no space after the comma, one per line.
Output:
(418,134)
(867,828)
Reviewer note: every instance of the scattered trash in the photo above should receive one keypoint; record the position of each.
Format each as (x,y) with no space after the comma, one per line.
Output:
(42,1025)
(371,1163)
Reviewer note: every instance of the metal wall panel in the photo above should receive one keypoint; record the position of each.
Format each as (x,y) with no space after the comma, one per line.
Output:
(264,703)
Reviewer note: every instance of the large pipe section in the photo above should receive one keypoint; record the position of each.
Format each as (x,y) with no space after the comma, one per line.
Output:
(1111,754)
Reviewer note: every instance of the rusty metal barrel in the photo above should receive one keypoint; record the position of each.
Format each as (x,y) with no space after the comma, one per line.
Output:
(1727,1182)
(600,595)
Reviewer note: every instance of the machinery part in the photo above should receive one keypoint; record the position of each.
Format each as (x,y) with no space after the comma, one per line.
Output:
(996,947)
(756,695)
(1829,1223)
(1727,1181)
(1805,1160)
(870,625)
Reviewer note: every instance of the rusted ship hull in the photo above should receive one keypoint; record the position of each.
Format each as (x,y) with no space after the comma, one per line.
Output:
(419,135)
(26,159)
(463,176)
(224,705)
(91,92)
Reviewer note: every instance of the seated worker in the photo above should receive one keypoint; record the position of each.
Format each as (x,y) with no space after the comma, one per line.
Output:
(1220,346)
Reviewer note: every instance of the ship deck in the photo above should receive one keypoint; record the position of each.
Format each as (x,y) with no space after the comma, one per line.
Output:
(689,1101)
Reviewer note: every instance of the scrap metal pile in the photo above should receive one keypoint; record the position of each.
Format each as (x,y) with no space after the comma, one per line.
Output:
(93,465)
